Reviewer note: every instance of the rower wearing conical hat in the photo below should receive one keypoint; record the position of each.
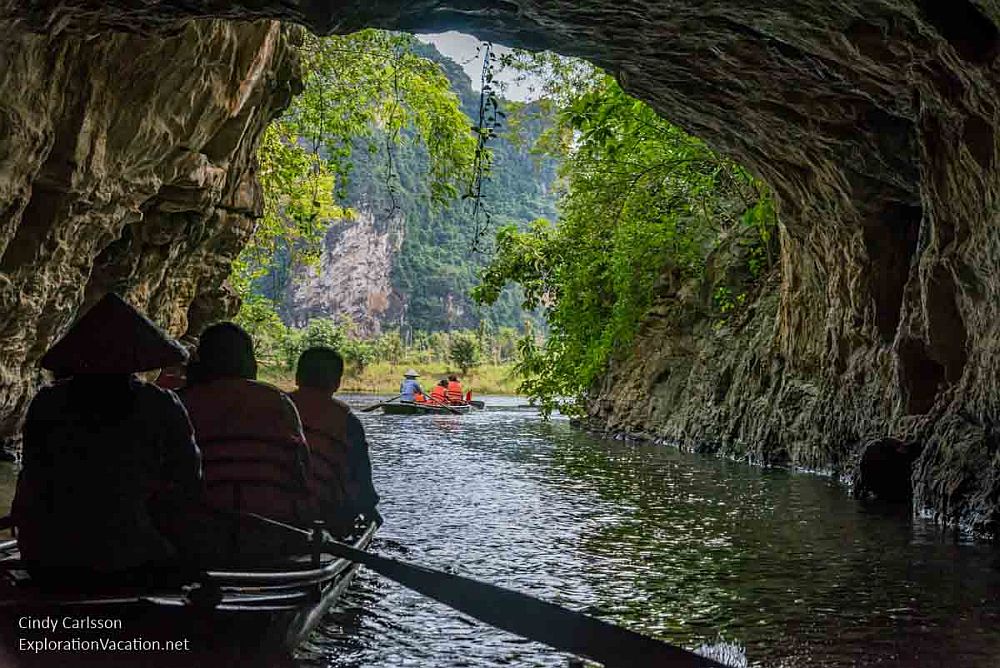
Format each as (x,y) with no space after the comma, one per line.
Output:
(409,389)
(99,446)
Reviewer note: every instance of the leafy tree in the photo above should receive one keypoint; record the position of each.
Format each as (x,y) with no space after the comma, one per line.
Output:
(329,153)
(358,353)
(361,91)
(258,316)
(324,332)
(644,203)
(389,347)
(464,351)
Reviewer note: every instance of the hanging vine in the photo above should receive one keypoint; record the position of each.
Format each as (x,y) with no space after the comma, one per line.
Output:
(487,127)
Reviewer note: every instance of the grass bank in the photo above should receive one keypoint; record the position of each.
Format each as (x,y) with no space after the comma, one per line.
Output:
(384,378)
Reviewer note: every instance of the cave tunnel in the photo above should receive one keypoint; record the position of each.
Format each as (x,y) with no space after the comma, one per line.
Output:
(873,122)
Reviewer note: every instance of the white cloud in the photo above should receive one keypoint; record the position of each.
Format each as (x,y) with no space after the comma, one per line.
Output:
(466,51)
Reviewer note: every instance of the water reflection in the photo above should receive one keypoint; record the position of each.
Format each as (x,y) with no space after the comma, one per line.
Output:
(688,548)
(691,549)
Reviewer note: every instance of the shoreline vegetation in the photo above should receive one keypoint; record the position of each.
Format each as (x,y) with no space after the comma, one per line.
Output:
(383,378)
(376,365)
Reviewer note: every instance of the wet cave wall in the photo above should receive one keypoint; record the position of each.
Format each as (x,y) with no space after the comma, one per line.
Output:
(126,164)
(874,121)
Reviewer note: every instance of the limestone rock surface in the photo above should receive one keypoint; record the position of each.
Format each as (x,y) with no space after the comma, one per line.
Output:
(126,164)
(354,275)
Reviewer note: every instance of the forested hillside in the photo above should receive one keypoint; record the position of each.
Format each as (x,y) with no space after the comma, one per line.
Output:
(403,261)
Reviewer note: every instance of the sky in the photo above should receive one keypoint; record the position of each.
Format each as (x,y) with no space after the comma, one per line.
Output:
(462,48)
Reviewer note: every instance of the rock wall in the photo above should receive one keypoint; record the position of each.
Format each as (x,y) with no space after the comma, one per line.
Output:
(126,163)
(354,275)
(874,120)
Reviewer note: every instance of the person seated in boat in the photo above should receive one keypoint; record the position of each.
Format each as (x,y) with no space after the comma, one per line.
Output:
(410,388)
(454,391)
(253,448)
(439,395)
(340,472)
(171,378)
(99,447)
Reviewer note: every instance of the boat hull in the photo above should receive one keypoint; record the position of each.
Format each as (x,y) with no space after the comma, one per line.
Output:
(409,408)
(240,614)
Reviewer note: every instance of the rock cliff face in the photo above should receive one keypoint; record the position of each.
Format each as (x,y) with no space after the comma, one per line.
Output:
(126,163)
(405,261)
(354,276)
(874,121)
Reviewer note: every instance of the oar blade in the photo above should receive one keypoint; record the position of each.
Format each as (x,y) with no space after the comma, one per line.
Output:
(368,409)
(532,618)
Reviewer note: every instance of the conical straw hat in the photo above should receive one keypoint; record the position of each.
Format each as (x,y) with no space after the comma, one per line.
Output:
(112,337)
(411,373)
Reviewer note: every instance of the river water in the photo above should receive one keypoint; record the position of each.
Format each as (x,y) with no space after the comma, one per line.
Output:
(772,567)
(765,567)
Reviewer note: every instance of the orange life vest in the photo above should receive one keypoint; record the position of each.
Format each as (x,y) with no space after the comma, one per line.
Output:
(439,394)
(454,392)
(254,453)
(419,398)
(324,421)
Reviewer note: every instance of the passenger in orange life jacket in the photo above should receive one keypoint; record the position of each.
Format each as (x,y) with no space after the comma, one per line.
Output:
(440,392)
(254,452)
(455,395)
(340,475)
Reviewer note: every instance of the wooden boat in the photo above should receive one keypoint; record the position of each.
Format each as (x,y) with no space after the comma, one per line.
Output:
(412,408)
(269,609)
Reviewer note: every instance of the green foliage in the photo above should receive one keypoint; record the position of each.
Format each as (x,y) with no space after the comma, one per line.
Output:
(389,346)
(464,351)
(362,91)
(644,203)
(726,302)
(403,156)
(258,316)
(324,332)
(761,218)
(437,264)
(359,354)
(278,346)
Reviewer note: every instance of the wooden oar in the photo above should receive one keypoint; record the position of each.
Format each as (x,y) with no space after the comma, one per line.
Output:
(523,615)
(381,403)
(520,614)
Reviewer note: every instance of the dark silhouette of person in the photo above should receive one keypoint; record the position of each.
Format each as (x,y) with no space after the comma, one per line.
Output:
(340,474)
(99,447)
(254,452)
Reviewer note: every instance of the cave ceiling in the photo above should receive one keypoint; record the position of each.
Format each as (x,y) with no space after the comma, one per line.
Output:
(810,95)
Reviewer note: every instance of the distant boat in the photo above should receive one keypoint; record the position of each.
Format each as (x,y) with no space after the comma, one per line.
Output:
(412,408)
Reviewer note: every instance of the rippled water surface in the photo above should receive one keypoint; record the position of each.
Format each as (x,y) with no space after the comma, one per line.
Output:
(688,548)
